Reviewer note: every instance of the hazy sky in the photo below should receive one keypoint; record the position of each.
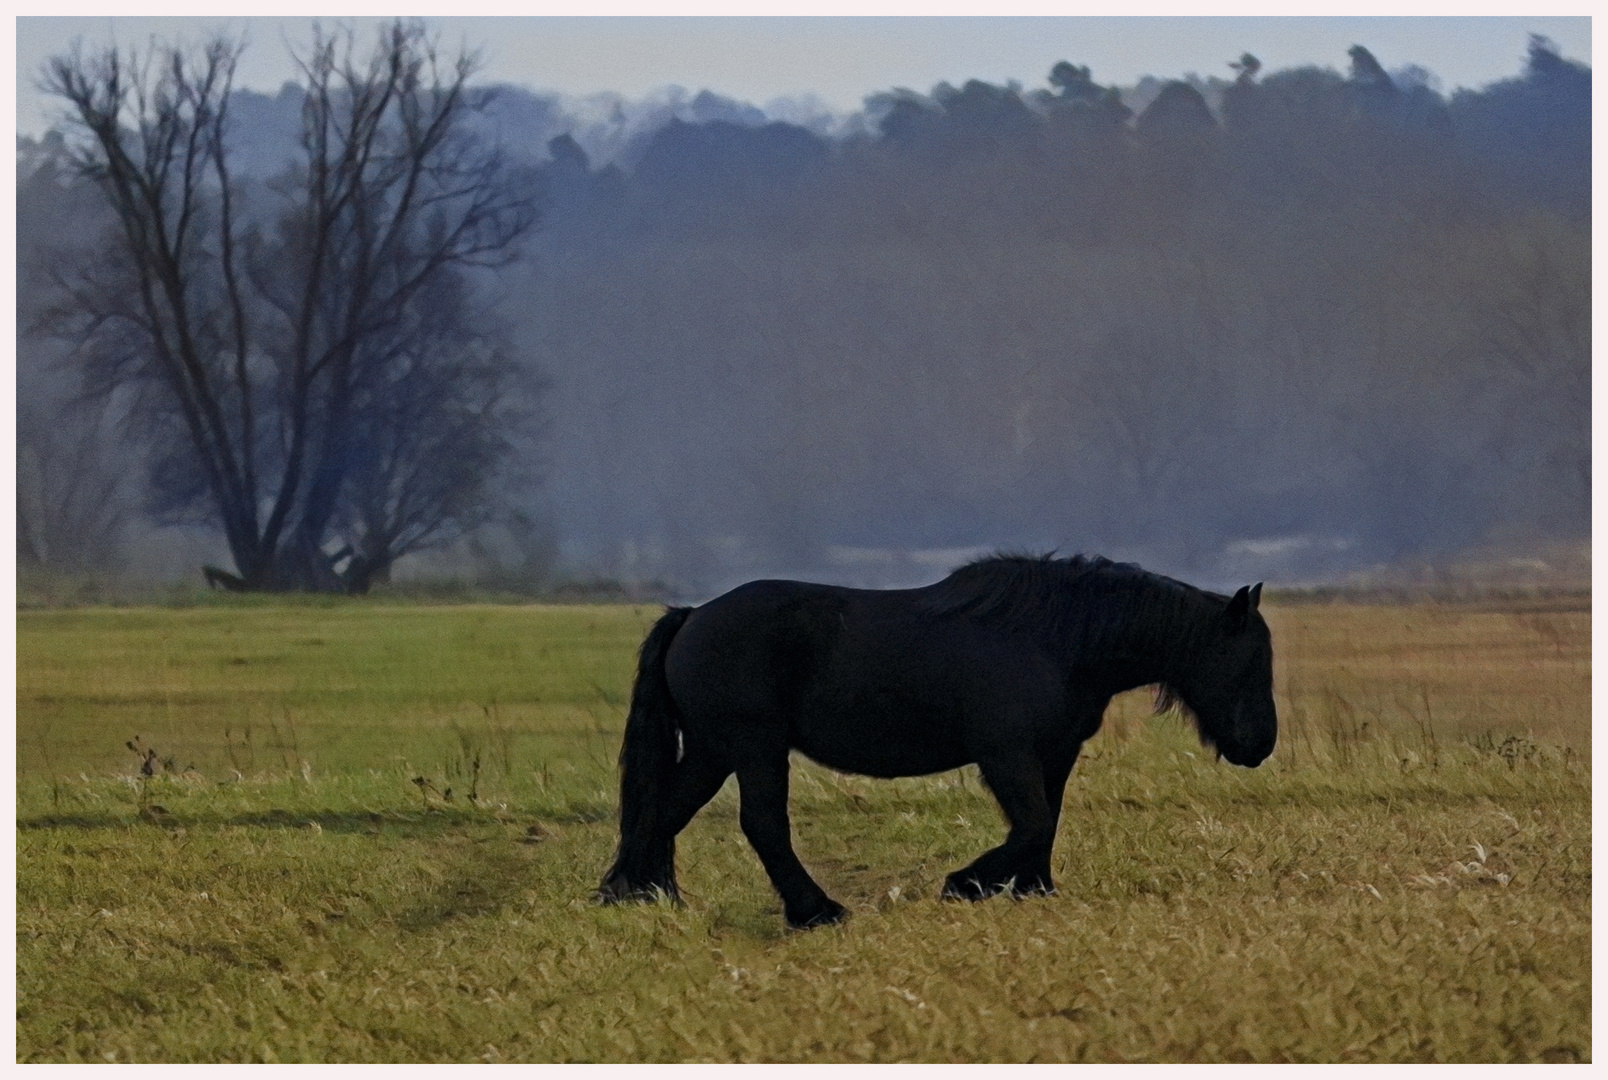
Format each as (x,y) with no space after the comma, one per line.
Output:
(840,60)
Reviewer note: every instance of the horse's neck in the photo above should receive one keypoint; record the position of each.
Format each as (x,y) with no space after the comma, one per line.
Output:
(1142,651)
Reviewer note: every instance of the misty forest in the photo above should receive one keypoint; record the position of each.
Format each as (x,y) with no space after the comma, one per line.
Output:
(393,321)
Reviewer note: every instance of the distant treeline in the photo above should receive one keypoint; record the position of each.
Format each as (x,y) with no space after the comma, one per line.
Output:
(1299,323)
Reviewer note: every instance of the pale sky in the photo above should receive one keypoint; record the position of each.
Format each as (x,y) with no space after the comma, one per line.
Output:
(840,60)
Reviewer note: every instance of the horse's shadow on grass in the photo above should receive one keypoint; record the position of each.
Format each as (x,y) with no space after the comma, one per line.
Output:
(421,823)
(485,863)
(334,821)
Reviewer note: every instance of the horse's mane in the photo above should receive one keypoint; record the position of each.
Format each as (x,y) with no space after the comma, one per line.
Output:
(1088,596)
(1006,586)
(1082,593)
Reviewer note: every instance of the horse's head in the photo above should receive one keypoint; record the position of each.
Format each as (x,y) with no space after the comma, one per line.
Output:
(1229,684)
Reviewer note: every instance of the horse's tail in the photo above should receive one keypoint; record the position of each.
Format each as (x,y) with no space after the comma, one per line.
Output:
(644,863)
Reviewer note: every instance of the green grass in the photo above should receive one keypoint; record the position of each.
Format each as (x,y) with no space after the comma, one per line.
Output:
(1407,879)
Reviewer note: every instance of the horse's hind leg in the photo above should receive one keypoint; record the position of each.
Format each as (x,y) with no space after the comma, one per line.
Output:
(1021,863)
(763,783)
(698,777)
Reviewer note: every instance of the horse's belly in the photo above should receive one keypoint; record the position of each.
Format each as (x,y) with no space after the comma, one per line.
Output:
(878,745)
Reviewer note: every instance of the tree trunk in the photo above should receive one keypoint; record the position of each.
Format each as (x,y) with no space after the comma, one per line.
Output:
(364,573)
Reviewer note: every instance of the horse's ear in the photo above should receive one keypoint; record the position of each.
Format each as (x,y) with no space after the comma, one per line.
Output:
(1238,612)
(1256,595)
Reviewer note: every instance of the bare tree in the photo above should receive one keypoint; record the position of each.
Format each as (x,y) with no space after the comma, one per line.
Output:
(73,484)
(430,410)
(255,347)
(71,505)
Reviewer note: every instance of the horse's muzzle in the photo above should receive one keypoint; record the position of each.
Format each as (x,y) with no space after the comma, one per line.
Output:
(1248,756)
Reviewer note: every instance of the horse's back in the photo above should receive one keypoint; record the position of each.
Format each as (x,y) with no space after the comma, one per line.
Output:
(868,681)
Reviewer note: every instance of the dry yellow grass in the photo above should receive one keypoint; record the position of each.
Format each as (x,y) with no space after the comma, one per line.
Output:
(1459,669)
(1407,879)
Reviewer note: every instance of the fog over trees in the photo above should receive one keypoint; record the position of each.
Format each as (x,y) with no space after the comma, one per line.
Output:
(1280,324)
(304,364)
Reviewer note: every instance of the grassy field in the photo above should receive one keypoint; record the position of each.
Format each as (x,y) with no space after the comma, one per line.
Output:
(373,831)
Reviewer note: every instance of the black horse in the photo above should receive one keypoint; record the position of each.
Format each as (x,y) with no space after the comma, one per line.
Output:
(1008,662)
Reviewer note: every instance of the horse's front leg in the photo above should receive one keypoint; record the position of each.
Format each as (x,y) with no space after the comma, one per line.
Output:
(763,786)
(1057,768)
(1058,756)
(1022,862)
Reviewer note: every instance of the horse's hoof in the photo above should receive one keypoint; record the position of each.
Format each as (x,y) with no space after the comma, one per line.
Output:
(830,912)
(1036,888)
(970,888)
(615,891)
